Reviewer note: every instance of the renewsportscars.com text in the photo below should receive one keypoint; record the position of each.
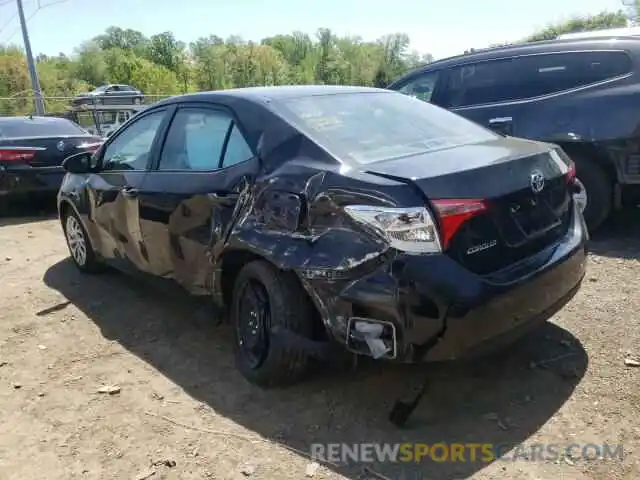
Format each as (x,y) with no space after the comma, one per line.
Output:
(462,452)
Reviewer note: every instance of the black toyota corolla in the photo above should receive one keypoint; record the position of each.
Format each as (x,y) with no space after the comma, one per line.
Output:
(333,216)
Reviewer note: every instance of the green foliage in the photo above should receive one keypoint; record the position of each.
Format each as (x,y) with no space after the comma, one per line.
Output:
(582,24)
(162,65)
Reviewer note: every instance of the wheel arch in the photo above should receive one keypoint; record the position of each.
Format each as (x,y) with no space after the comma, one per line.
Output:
(232,261)
(591,152)
(64,207)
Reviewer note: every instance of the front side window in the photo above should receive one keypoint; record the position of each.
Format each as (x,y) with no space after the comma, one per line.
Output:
(367,127)
(131,148)
(196,141)
(421,87)
(486,82)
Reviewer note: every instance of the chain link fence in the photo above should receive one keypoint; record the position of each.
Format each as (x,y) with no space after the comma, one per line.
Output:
(23,103)
(98,114)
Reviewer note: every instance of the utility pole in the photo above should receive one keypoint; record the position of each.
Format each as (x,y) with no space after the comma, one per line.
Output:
(35,83)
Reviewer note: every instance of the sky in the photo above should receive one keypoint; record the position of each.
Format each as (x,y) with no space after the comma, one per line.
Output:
(442,28)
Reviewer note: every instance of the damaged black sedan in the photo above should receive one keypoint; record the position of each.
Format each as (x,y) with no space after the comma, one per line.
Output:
(333,216)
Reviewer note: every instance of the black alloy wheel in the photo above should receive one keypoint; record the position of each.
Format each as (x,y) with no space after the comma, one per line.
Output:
(253,323)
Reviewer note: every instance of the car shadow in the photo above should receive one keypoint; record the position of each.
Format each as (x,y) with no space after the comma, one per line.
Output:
(24,212)
(618,237)
(502,399)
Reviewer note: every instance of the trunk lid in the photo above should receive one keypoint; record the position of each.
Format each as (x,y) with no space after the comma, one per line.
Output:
(52,150)
(524,185)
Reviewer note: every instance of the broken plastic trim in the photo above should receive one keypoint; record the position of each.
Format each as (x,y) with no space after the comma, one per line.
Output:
(372,339)
(403,408)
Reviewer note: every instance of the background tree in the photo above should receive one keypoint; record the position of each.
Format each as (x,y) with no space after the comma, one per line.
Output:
(163,65)
(582,24)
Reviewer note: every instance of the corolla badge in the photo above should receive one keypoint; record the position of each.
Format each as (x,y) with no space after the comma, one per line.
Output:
(482,247)
(536,180)
(60,146)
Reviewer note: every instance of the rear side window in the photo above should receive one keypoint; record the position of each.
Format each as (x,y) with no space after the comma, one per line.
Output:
(237,149)
(531,76)
(39,127)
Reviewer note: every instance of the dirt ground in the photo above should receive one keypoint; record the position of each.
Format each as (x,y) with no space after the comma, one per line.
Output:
(183,412)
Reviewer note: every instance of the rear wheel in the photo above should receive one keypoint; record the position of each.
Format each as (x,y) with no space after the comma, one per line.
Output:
(80,248)
(596,196)
(4,207)
(264,297)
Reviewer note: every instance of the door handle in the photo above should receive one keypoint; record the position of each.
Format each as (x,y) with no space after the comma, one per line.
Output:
(493,121)
(129,192)
(224,198)
(230,196)
(502,125)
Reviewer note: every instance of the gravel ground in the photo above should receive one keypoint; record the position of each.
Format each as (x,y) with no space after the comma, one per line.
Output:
(179,410)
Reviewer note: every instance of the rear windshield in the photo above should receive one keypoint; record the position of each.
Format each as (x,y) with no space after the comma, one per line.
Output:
(39,128)
(367,127)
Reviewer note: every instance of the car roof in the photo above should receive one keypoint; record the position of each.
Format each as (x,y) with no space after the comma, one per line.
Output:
(34,118)
(265,94)
(606,32)
(546,46)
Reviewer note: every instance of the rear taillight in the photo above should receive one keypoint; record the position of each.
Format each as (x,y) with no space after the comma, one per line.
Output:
(413,229)
(18,154)
(408,229)
(454,213)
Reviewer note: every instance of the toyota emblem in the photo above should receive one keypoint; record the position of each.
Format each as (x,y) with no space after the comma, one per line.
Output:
(536,179)
(60,146)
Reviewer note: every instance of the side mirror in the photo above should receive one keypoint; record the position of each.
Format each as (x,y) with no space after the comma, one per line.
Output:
(78,163)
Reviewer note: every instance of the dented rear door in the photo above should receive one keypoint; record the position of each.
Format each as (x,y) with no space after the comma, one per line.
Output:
(189,201)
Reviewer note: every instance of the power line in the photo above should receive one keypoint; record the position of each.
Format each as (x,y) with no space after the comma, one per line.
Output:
(39,7)
(18,28)
(11,19)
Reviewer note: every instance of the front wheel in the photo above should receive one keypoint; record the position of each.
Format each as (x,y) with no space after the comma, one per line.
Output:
(265,297)
(80,248)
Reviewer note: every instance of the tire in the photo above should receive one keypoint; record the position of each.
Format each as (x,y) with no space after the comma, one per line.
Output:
(76,236)
(4,207)
(289,307)
(599,189)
